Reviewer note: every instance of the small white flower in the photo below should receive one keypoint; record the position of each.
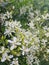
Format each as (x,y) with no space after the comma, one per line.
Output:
(3,59)
(45,16)
(13,47)
(31,15)
(8,14)
(22,10)
(36,39)
(10,56)
(13,43)
(24,50)
(7,32)
(15,62)
(5,56)
(47,50)
(13,7)
(38,19)
(47,34)
(2,49)
(31,24)
(44,41)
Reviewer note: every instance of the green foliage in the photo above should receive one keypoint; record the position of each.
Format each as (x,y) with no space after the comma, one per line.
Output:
(22,60)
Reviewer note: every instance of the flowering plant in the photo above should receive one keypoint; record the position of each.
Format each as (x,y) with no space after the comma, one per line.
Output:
(17,42)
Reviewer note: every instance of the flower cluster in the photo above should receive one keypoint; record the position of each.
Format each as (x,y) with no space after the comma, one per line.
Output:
(32,42)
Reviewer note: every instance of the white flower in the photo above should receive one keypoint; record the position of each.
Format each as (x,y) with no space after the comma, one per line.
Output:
(7,32)
(46,17)
(28,34)
(10,56)
(6,57)
(3,59)
(15,61)
(31,24)
(36,39)
(38,19)
(12,47)
(36,61)
(13,7)
(8,14)
(31,15)
(11,27)
(24,50)
(14,43)
(2,49)
(47,34)
(22,10)
(44,41)
(37,12)
(47,50)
